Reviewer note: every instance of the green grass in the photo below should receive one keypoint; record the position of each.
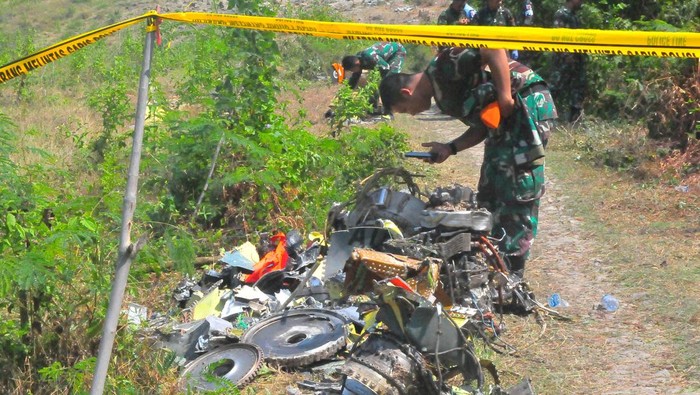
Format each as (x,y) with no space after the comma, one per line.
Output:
(56,20)
(655,243)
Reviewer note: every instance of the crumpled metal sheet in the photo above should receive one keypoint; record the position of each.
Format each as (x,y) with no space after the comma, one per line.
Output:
(402,208)
(242,258)
(430,330)
(210,304)
(475,220)
(182,338)
(343,242)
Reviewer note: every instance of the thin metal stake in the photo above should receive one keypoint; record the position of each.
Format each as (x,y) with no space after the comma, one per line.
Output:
(127,251)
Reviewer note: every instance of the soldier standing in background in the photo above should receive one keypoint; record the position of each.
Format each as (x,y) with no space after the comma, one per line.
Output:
(526,18)
(495,14)
(454,14)
(569,77)
(528,13)
(470,11)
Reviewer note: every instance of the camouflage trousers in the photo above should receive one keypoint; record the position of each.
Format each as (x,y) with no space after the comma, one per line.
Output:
(513,198)
(512,192)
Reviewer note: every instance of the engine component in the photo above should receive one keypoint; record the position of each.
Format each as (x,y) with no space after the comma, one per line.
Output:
(475,220)
(238,363)
(383,365)
(440,339)
(402,208)
(299,337)
(365,266)
(456,197)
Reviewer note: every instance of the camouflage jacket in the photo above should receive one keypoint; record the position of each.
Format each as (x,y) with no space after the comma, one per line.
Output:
(451,17)
(500,17)
(382,55)
(462,88)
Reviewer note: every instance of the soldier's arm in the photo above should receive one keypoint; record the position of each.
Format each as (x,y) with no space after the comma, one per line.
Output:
(497,61)
(354,79)
(379,60)
(471,137)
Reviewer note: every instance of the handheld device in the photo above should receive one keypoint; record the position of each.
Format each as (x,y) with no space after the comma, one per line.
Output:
(420,155)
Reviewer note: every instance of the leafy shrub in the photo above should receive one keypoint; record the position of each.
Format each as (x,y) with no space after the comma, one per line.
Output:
(353,104)
(52,254)
(226,122)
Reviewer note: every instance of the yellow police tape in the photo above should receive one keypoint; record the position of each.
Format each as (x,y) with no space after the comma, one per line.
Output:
(606,42)
(57,51)
(663,44)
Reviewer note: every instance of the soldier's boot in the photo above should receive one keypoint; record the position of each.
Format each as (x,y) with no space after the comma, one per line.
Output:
(517,267)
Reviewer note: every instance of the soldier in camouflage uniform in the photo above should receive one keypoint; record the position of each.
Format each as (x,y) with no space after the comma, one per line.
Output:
(386,56)
(569,76)
(512,174)
(455,14)
(494,14)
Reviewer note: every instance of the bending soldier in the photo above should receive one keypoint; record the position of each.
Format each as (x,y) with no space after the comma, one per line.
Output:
(495,14)
(386,56)
(512,172)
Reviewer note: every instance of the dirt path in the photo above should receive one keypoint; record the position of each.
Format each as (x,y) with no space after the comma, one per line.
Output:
(597,352)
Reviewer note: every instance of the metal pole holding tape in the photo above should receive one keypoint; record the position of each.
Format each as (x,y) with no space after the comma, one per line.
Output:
(127,251)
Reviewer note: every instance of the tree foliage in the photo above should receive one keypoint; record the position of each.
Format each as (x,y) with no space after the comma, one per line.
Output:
(659,92)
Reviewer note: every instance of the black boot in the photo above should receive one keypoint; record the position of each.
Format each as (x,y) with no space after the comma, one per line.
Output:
(516,265)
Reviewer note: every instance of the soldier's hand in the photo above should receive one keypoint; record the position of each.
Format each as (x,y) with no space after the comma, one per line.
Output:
(441,151)
(506,106)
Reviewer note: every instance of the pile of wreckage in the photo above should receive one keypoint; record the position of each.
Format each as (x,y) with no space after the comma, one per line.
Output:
(389,300)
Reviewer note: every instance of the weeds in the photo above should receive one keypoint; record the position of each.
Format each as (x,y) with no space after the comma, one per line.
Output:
(627,148)
(353,104)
